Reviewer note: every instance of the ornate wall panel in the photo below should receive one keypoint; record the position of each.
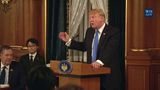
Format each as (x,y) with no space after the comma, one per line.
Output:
(24,19)
(142,45)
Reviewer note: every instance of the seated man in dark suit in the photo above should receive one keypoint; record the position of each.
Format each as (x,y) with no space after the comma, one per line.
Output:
(11,72)
(33,58)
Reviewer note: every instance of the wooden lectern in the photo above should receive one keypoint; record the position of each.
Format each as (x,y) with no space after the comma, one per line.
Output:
(82,74)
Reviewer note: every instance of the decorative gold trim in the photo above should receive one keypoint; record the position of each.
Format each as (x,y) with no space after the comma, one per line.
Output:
(144,50)
(45,28)
(126,30)
(139,50)
(153,49)
(18,47)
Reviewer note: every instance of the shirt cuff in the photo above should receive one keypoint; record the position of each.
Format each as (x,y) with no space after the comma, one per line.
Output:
(100,62)
(68,43)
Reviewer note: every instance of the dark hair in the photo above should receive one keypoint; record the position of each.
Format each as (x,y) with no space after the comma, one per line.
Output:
(41,78)
(4,47)
(70,87)
(32,40)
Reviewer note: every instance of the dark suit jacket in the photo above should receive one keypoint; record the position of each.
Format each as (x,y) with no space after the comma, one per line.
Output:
(17,79)
(27,64)
(108,52)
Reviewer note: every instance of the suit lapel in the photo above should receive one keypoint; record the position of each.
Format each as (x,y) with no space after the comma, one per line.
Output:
(88,41)
(27,58)
(10,72)
(36,58)
(90,38)
(104,36)
(11,69)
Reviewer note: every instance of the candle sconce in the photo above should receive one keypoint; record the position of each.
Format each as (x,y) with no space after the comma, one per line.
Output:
(5,5)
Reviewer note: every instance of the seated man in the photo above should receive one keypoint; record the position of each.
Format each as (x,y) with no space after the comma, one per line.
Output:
(11,72)
(33,58)
(41,78)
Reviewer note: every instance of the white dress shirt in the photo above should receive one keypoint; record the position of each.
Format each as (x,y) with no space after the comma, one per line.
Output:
(6,72)
(33,55)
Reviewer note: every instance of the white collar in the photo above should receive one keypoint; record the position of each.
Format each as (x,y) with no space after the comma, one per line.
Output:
(101,28)
(4,65)
(33,55)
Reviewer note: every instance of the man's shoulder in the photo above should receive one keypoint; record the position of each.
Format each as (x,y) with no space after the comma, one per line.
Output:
(15,64)
(90,30)
(26,55)
(38,55)
(111,30)
(23,57)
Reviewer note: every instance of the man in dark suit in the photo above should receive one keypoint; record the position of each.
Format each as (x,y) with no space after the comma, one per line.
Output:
(11,72)
(106,53)
(32,58)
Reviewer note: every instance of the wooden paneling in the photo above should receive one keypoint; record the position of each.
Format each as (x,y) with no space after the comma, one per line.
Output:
(155,77)
(24,20)
(19,51)
(142,32)
(143,45)
(86,83)
(138,77)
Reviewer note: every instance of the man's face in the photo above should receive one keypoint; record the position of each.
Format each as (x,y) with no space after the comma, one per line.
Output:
(96,21)
(6,56)
(32,48)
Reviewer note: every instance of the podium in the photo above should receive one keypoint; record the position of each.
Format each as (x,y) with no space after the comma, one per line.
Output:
(82,74)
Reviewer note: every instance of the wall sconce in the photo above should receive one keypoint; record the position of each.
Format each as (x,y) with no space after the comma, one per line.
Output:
(5,5)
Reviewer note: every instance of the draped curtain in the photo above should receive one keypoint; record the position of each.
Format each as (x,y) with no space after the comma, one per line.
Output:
(77,25)
(117,19)
(56,18)
(76,12)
